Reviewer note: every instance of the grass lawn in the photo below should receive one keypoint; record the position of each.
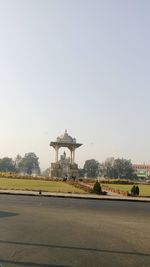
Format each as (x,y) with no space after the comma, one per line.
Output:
(144,189)
(49,186)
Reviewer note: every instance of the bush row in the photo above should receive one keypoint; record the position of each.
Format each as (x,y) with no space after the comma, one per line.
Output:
(12,175)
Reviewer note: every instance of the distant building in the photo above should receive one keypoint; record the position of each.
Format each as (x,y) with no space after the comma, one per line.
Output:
(142,170)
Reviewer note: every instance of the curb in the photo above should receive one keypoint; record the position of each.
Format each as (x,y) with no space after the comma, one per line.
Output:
(73,196)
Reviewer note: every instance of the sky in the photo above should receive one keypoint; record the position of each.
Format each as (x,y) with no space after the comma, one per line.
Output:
(80,65)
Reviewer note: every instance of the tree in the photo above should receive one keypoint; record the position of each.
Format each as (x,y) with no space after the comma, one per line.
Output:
(123,168)
(29,164)
(91,168)
(18,159)
(118,168)
(108,167)
(7,165)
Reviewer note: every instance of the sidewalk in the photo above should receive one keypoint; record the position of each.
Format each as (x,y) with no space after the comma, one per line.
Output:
(79,196)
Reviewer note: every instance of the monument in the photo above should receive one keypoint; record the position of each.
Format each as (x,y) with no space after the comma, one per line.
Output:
(64,167)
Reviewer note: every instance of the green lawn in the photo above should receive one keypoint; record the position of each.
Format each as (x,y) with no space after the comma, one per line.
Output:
(49,186)
(144,189)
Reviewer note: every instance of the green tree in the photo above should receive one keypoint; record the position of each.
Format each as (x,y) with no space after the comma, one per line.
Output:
(91,168)
(7,165)
(108,167)
(29,164)
(123,168)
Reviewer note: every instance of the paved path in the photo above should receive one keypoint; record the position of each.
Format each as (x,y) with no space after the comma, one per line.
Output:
(48,231)
(104,188)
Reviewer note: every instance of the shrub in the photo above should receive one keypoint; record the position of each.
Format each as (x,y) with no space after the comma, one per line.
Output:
(135,190)
(97,188)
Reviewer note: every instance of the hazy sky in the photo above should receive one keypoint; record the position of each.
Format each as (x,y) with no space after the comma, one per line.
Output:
(80,65)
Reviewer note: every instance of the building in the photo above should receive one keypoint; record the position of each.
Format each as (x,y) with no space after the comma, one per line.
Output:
(142,170)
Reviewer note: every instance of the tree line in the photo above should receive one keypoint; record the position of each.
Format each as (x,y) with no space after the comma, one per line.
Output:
(28,164)
(111,168)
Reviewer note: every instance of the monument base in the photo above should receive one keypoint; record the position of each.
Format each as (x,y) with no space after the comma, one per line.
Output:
(60,171)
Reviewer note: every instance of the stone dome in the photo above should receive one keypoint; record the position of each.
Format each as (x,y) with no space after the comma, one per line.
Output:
(65,138)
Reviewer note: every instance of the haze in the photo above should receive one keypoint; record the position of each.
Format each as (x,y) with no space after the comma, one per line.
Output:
(78,65)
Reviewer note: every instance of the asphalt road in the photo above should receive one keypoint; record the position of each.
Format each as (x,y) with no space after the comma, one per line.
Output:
(41,231)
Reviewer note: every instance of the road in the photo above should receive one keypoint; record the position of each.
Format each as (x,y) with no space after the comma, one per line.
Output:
(41,231)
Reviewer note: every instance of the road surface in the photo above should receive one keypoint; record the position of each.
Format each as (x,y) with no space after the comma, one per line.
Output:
(41,231)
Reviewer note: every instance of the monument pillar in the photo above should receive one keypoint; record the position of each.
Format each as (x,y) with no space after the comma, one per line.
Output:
(71,155)
(73,161)
(56,153)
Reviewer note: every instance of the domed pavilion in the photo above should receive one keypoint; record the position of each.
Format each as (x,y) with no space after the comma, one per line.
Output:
(65,167)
